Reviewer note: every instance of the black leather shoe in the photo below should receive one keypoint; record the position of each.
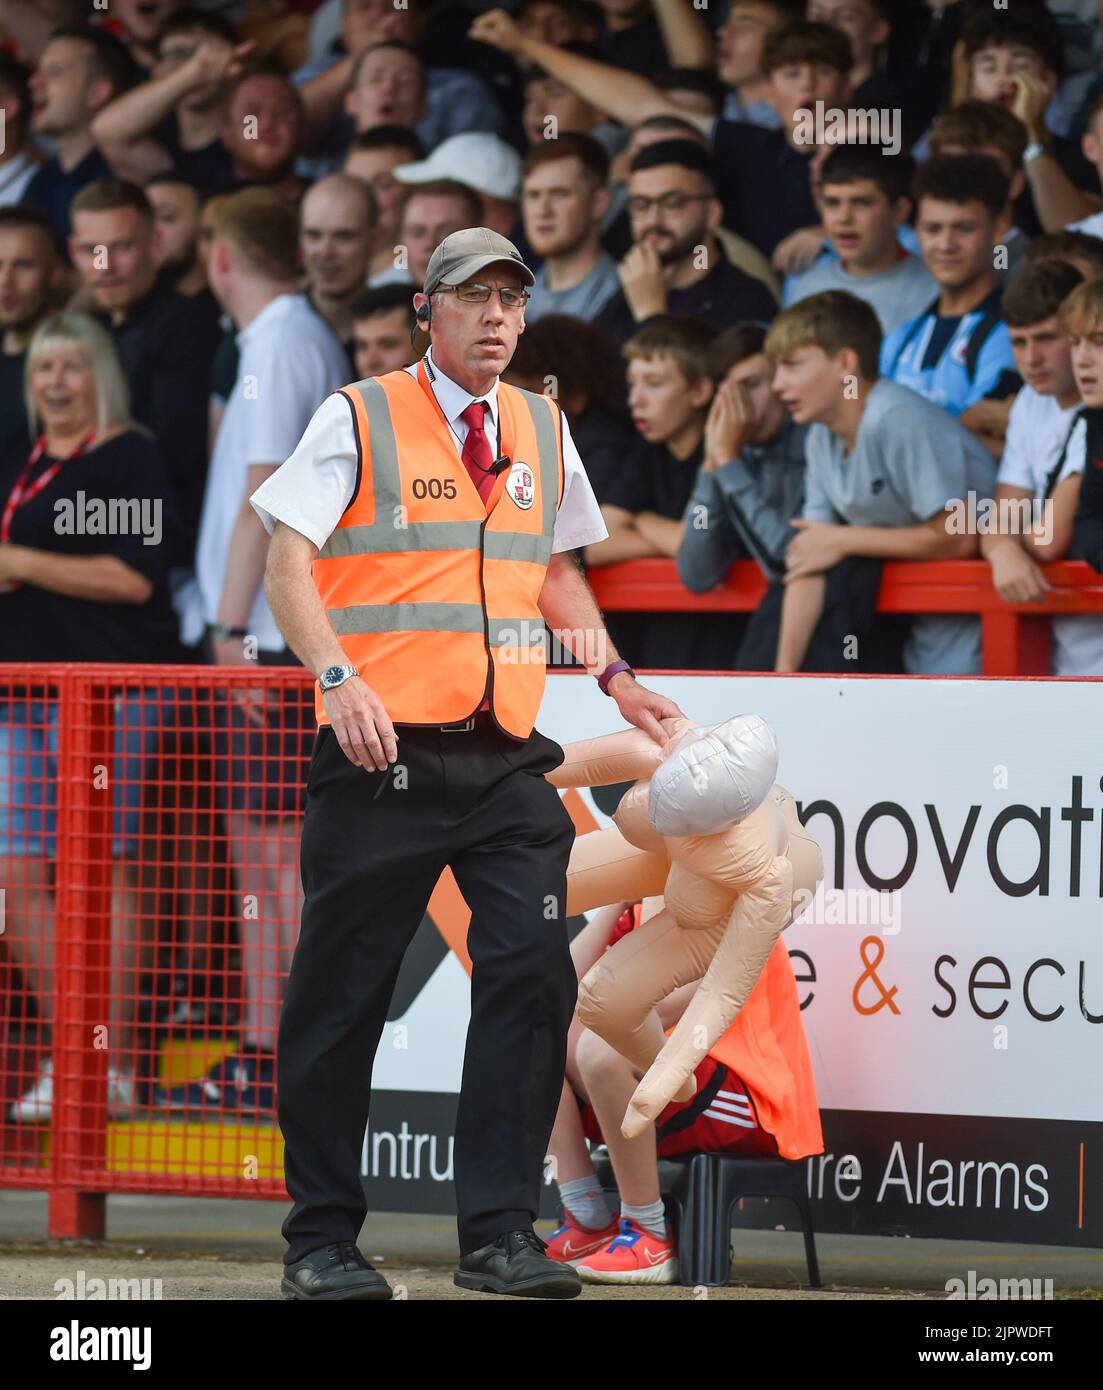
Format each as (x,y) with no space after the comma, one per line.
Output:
(515,1263)
(334,1271)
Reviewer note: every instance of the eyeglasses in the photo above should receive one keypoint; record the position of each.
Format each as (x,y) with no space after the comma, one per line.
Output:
(666,202)
(479,294)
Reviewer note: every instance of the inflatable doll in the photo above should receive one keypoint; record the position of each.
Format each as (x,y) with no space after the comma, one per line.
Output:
(706,826)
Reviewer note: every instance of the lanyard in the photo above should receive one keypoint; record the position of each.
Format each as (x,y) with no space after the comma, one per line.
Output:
(24,492)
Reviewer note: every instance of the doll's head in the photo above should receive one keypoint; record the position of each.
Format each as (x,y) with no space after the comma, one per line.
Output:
(713,776)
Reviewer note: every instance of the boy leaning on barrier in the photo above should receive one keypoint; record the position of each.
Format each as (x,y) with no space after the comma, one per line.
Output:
(886,472)
(1082,319)
(1039,480)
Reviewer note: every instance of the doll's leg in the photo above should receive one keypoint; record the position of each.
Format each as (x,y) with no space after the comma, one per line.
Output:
(741,952)
(618,995)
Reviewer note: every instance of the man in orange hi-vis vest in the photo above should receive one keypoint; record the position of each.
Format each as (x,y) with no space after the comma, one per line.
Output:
(420,538)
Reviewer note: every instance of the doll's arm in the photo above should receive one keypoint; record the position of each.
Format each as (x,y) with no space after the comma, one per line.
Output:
(619,757)
(605,868)
(758,919)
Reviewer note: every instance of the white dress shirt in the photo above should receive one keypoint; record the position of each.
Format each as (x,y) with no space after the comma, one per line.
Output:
(311,491)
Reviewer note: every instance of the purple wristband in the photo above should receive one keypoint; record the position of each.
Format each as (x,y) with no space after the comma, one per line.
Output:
(614,668)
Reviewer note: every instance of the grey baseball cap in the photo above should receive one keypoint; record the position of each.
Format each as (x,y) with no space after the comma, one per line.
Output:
(464,253)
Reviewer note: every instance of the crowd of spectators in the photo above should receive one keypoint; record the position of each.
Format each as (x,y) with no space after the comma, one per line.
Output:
(810,274)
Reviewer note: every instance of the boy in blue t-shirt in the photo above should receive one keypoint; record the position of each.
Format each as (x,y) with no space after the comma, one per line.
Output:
(957,351)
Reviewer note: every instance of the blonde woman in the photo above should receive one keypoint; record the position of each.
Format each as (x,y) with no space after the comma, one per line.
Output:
(87,522)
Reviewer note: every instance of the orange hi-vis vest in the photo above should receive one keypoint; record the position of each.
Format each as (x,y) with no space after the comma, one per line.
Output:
(431,591)
(767,1047)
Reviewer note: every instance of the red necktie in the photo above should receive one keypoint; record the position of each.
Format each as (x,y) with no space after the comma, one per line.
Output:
(476,448)
(477,457)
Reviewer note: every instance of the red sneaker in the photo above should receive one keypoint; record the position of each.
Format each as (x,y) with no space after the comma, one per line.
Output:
(634,1257)
(571,1242)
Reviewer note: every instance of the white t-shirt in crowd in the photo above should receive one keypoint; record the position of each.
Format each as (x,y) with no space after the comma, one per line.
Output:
(290,360)
(1036,433)
(1092,225)
(311,491)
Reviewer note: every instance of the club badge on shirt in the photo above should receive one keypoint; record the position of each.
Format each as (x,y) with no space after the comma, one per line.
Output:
(521,485)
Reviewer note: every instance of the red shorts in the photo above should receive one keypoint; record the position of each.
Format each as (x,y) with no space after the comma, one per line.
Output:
(719,1119)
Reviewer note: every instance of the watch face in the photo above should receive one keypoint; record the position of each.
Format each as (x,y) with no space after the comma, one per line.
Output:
(332,675)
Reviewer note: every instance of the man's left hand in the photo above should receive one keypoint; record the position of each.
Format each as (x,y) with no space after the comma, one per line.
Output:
(642,707)
(819,546)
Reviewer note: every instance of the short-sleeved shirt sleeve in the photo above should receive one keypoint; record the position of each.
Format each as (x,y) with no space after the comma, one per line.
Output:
(579,521)
(1016,468)
(312,489)
(818,452)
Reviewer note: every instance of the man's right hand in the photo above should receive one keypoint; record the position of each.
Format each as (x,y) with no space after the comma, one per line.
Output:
(363,729)
(498,28)
(1015,575)
(726,427)
(214,60)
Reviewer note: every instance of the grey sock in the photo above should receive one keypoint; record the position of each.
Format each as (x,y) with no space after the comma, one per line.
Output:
(651,1217)
(585,1201)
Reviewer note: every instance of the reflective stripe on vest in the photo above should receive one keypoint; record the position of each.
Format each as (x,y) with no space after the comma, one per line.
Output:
(432,596)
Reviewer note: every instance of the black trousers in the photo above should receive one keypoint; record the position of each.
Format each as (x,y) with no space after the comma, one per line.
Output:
(373,846)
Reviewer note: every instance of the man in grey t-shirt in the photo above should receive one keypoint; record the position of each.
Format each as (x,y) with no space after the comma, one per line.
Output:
(883,466)
(909,459)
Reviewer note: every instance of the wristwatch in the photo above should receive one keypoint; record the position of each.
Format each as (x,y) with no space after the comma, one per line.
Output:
(221,631)
(1033,150)
(333,676)
(613,669)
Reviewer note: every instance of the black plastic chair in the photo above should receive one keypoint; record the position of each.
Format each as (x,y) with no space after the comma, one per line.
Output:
(702,1191)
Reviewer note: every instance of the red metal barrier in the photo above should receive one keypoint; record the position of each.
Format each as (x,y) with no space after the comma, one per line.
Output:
(1014,637)
(208,870)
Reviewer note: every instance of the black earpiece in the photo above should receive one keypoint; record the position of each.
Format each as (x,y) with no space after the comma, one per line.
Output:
(423,319)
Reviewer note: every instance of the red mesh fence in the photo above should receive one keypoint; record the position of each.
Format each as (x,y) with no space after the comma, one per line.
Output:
(149,827)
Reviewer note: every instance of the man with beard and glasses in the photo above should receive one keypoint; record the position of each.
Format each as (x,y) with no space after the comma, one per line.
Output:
(675,264)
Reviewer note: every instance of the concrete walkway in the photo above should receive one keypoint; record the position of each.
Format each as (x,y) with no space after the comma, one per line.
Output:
(207,1249)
